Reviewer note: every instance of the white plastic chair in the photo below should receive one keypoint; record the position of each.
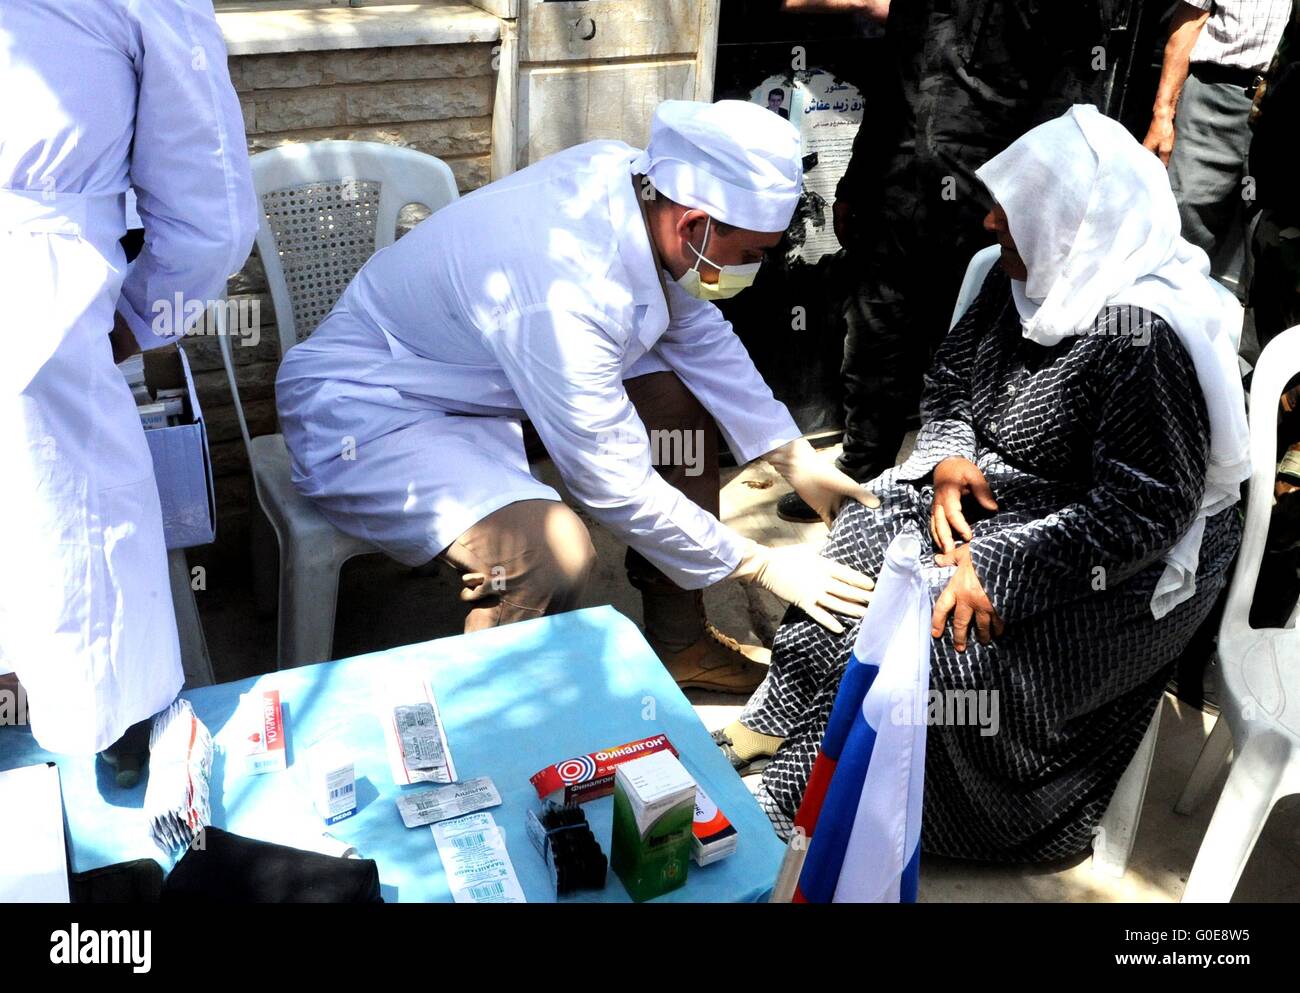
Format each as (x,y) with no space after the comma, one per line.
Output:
(981,264)
(327,206)
(1112,845)
(1259,668)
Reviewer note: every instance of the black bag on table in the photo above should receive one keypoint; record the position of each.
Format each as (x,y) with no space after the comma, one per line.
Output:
(232,869)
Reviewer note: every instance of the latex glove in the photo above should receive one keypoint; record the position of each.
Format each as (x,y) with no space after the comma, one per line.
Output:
(823,487)
(814,584)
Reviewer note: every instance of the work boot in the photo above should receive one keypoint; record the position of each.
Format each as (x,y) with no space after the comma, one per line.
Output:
(719,663)
(696,654)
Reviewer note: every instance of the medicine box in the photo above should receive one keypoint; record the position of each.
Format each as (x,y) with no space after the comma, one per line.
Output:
(264,729)
(654,810)
(333,780)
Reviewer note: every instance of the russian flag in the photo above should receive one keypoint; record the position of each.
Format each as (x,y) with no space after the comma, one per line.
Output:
(858,830)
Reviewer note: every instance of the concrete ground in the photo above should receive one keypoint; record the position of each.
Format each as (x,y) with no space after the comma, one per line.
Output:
(383,604)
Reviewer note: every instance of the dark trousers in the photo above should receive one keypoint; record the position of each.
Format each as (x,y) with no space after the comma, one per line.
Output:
(1206,171)
(905,270)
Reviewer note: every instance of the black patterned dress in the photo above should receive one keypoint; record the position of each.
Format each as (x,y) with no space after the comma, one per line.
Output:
(1096,451)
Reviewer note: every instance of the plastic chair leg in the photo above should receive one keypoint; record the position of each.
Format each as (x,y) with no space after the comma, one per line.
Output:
(1213,757)
(1248,797)
(787,877)
(263,544)
(309,592)
(195,660)
(1113,844)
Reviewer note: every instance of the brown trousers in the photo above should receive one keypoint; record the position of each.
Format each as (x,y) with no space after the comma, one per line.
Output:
(533,557)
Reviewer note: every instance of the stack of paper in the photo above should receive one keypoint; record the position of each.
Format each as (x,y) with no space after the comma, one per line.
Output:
(34,866)
(177,802)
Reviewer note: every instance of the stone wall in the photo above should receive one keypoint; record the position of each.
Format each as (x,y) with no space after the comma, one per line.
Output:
(436,98)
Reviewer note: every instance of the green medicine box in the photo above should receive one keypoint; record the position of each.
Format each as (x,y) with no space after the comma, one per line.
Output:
(654,810)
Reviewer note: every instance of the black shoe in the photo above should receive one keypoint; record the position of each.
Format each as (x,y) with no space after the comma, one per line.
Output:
(791,507)
(128,755)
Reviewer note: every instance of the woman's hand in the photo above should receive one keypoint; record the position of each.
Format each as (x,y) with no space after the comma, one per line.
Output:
(954,479)
(965,601)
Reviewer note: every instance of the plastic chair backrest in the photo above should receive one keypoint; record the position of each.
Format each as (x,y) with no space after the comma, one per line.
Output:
(327,206)
(1277,365)
(980,264)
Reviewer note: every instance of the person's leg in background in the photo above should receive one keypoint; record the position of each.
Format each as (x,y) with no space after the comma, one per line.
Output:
(879,357)
(685,437)
(1275,286)
(1206,170)
(528,559)
(1275,301)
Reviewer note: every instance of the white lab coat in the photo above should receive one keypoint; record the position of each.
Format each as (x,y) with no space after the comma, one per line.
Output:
(102,95)
(536,297)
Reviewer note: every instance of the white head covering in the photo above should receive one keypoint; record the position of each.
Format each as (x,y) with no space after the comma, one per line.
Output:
(736,160)
(1093,217)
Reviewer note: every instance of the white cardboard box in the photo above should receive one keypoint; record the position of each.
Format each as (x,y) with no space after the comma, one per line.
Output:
(181,464)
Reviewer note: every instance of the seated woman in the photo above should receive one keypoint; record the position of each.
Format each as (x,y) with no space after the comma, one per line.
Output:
(1082,449)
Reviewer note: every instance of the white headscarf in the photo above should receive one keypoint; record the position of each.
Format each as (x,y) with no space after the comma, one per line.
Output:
(1093,217)
(737,161)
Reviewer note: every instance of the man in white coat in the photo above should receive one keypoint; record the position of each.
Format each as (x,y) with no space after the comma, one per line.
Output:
(101,95)
(575,296)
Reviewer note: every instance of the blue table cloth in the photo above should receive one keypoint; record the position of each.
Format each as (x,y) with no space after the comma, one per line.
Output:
(514,700)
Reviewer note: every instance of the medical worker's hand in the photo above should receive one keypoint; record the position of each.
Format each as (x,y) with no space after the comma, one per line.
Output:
(954,479)
(965,601)
(814,584)
(822,486)
(122,340)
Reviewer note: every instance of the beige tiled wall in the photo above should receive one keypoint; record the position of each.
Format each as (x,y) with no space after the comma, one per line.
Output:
(434,98)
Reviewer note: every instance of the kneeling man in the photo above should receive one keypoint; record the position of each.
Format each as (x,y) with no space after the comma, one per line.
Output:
(574,295)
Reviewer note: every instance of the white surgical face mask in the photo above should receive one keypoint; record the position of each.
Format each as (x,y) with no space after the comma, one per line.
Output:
(731,278)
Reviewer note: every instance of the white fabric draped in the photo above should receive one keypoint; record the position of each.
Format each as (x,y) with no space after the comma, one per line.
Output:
(1093,217)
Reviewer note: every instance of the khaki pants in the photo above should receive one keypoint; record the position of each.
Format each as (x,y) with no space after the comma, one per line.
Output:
(533,557)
